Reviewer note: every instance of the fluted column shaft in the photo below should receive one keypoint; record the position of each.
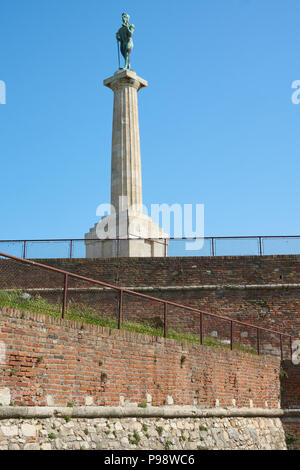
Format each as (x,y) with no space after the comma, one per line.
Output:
(126,174)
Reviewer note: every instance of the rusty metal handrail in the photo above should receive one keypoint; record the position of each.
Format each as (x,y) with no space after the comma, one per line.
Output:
(123,291)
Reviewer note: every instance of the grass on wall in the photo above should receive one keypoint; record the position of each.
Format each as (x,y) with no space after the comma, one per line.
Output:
(82,313)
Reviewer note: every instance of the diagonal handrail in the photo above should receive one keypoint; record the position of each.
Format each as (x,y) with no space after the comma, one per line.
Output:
(123,291)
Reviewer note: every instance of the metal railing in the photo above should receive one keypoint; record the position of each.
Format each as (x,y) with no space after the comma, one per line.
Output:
(13,277)
(210,246)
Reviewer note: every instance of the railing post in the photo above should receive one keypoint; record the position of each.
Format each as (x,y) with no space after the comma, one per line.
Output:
(65,296)
(260,246)
(201,328)
(24,249)
(258,341)
(231,335)
(212,246)
(71,249)
(165,319)
(281,347)
(120,309)
(165,243)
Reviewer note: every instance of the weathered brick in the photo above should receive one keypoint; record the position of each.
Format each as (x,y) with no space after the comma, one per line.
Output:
(133,366)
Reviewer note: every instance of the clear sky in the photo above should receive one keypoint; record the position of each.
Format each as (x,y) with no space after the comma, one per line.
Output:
(217,122)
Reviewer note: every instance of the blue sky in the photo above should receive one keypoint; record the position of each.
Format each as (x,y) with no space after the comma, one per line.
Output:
(217,122)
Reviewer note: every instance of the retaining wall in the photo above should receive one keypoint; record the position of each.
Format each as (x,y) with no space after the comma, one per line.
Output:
(60,430)
(46,360)
(263,290)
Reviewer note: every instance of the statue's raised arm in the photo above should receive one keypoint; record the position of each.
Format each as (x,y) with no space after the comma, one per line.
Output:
(124,37)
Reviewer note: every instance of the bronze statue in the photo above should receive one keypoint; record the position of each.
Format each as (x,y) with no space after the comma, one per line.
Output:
(124,37)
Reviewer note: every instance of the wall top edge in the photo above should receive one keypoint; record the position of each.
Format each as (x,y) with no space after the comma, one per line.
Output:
(7,412)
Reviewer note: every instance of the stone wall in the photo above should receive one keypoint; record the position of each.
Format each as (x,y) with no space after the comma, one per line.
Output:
(47,360)
(147,433)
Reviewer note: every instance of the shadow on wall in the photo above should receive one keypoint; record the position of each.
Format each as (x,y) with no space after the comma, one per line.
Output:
(290,399)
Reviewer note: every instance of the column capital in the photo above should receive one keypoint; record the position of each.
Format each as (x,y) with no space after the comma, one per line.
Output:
(123,78)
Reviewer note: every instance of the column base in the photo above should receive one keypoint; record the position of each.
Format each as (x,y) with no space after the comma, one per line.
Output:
(127,235)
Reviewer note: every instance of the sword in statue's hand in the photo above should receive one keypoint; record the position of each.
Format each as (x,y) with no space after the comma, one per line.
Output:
(118,40)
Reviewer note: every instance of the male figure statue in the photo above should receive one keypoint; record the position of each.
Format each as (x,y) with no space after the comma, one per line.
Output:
(124,36)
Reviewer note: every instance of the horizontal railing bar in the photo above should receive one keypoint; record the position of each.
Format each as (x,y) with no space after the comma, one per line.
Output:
(253,237)
(137,294)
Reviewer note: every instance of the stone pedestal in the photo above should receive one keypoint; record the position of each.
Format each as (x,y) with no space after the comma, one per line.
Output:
(126,182)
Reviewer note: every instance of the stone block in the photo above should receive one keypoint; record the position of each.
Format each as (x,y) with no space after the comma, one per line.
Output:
(5,397)
(9,430)
(28,430)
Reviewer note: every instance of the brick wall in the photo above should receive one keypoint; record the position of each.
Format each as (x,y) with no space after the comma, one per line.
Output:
(291,428)
(290,385)
(70,362)
(263,291)
(178,271)
(188,270)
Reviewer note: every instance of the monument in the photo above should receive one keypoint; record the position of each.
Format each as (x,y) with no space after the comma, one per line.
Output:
(126,231)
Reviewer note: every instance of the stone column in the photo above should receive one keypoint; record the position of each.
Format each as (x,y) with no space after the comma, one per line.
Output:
(135,234)
(126,174)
